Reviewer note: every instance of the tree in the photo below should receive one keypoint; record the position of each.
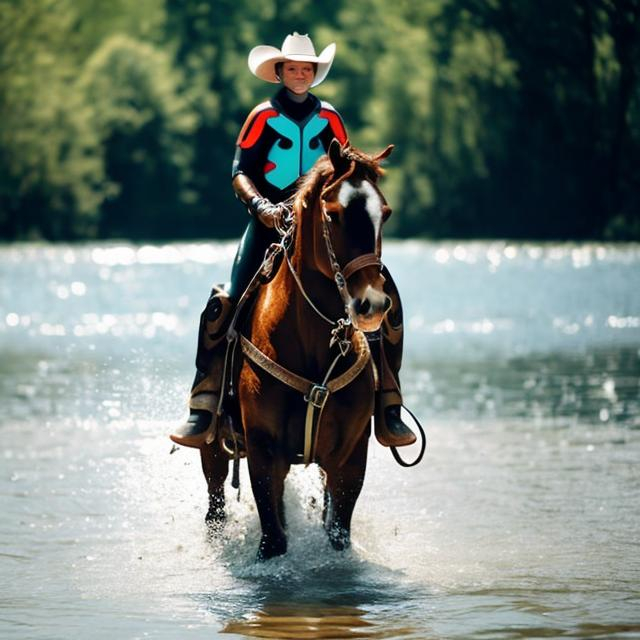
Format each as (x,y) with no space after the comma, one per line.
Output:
(516,118)
(51,176)
(144,125)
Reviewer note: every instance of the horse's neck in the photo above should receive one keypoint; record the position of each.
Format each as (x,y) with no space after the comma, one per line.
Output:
(321,290)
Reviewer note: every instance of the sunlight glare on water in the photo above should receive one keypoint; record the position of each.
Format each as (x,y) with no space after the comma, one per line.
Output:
(522,360)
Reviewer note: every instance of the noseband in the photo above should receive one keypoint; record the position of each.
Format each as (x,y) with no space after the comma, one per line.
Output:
(343,333)
(342,274)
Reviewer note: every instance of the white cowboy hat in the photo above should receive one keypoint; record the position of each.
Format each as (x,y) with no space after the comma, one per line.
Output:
(297,48)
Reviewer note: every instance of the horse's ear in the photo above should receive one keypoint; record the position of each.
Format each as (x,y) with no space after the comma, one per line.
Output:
(384,154)
(338,161)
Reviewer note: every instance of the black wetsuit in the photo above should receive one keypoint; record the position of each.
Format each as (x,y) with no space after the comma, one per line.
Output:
(264,138)
(275,147)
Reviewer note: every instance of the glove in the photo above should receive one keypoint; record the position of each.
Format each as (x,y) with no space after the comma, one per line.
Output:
(267,212)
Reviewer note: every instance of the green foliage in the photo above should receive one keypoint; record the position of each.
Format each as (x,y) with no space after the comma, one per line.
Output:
(510,118)
(144,126)
(50,166)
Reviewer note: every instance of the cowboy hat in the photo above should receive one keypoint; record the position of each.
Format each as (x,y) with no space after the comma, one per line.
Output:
(297,48)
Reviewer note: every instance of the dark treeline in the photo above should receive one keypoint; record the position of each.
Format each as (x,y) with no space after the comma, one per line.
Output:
(511,118)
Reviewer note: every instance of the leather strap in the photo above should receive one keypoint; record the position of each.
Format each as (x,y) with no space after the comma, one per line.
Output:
(300,383)
(273,368)
(365,260)
(315,395)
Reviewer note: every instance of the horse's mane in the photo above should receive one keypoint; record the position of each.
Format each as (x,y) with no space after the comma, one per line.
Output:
(322,172)
(309,185)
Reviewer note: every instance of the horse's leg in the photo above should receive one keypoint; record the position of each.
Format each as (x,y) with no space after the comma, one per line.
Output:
(281,510)
(343,487)
(215,466)
(267,470)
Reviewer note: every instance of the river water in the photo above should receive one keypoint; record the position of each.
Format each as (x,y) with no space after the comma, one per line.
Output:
(523,520)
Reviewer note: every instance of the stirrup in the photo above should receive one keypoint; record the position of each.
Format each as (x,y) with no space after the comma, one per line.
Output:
(423,444)
(231,441)
(398,436)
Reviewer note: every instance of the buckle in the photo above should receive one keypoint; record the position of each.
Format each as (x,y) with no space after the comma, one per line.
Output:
(339,336)
(318,396)
(341,283)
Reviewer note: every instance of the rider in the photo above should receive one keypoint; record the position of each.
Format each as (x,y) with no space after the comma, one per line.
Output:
(279,142)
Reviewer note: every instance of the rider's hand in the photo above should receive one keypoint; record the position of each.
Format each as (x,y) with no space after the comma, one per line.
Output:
(267,212)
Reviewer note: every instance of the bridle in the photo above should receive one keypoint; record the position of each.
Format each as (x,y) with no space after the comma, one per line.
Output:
(338,274)
(344,334)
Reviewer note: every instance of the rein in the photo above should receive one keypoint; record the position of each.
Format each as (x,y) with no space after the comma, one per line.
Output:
(297,280)
(316,395)
(338,274)
(343,333)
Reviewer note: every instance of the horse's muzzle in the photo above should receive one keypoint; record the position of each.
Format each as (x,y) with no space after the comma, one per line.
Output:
(368,310)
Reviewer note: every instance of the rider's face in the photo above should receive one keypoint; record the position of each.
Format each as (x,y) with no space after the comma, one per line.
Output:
(297,76)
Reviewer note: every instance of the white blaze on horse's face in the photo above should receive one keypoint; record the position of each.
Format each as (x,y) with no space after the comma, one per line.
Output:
(371,197)
(369,302)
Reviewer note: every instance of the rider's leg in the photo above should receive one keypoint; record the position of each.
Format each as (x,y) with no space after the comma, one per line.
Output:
(389,428)
(205,391)
(253,244)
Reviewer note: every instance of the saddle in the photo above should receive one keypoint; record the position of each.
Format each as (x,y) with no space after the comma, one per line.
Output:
(217,352)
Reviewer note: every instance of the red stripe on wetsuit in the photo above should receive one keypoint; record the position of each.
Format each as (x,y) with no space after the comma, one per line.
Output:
(252,131)
(335,123)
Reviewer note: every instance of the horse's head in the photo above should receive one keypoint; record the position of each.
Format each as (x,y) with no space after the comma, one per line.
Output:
(348,236)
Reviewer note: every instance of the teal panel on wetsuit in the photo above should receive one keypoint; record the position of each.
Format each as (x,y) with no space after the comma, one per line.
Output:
(311,130)
(287,161)
(293,162)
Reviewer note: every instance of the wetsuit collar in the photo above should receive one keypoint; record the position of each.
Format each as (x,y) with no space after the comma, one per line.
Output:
(296,110)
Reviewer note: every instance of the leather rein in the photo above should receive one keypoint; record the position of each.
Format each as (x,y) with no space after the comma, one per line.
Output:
(344,334)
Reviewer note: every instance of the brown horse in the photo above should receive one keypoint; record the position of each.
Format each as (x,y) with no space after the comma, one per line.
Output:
(306,385)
